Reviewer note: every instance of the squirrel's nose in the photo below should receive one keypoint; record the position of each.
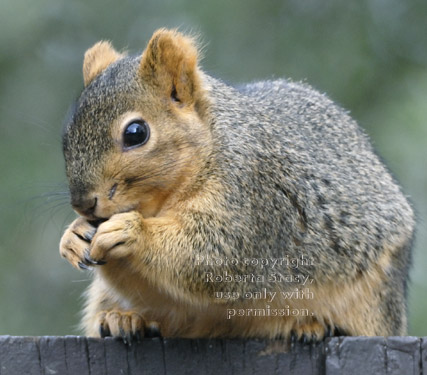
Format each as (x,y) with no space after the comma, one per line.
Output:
(84,205)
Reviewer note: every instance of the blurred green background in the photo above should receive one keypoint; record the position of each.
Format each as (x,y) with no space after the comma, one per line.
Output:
(368,55)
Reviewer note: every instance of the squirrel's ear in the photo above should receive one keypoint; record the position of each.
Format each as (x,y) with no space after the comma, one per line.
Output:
(170,60)
(97,59)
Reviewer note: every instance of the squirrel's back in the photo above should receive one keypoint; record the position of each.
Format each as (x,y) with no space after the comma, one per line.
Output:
(310,175)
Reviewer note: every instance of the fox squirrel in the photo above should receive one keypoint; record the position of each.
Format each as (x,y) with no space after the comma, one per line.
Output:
(213,211)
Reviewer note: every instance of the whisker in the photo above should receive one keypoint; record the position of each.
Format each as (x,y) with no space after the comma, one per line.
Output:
(124,165)
(156,173)
(167,165)
(81,281)
(48,201)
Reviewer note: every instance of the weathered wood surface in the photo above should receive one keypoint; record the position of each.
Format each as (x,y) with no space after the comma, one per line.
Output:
(72,355)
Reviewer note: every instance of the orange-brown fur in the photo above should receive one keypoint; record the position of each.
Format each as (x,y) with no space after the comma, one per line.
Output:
(97,59)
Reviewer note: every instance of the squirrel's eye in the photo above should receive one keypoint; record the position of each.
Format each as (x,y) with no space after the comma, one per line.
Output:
(136,134)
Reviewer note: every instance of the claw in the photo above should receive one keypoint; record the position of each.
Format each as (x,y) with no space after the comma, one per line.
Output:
(88,236)
(124,336)
(129,338)
(314,339)
(152,331)
(339,332)
(138,337)
(304,339)
(87,257)
(294,338)
(84,266)
(89,260)
(104,332)
(82,237)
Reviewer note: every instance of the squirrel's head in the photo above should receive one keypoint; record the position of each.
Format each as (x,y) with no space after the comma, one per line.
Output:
(138,133)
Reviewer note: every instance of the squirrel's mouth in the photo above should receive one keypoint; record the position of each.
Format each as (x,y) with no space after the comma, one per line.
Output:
(106,214)
(97,222)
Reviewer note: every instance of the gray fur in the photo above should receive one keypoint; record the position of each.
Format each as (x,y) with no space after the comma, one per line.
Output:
(303,161)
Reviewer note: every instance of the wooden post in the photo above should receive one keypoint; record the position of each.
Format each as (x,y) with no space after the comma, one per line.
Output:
(73,355)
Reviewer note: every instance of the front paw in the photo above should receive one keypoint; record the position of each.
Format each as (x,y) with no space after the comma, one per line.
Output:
(76,241)
(116,237)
